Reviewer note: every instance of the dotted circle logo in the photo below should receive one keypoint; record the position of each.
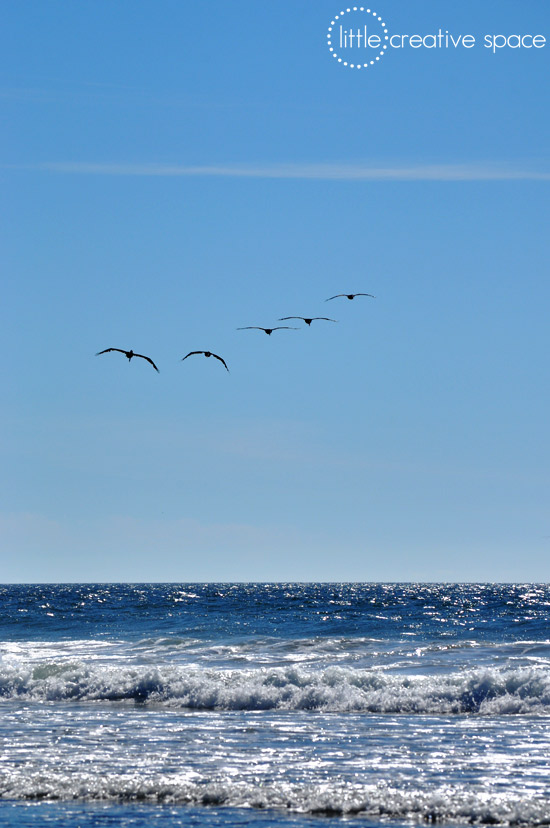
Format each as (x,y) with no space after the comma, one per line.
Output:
(357,37)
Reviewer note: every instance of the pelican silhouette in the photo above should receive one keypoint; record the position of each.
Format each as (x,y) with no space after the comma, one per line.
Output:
(350,296)
(268,331)
(307,320)
(207,354)
(129,355)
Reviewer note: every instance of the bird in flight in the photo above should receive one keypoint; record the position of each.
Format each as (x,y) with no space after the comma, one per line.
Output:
(268,331)
(129,355)
(350,296)
(307,320)
(207,354)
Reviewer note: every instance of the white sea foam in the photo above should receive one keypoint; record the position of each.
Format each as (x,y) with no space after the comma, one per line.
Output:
(488,691)
(332,798)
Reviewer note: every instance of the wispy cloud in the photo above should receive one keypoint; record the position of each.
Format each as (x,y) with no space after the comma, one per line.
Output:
(313,172)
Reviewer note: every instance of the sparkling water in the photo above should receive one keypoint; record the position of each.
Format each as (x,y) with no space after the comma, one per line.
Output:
(267,704)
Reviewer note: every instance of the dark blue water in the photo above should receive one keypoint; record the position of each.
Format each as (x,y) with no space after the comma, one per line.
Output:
(262,704)
(492,612)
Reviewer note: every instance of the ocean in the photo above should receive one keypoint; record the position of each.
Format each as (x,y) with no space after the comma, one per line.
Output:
(274,705)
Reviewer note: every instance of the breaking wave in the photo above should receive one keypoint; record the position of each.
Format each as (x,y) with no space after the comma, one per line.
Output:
(486,691)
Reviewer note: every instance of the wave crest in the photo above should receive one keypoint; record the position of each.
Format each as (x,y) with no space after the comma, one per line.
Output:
(482,691)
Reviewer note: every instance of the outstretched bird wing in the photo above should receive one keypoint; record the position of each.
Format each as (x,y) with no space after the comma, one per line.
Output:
(335,297)
(284,318)
(111,349)
(221,360)
(252,328)
(148,360)
(365,294)
(191,354)
(325,318)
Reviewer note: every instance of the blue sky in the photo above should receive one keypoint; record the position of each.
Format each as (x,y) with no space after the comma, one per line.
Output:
(174,171)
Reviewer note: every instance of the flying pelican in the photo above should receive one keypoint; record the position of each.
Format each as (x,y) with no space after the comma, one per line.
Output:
(268,331)
(309,320)
(207,354)
(129,355)
(350,296)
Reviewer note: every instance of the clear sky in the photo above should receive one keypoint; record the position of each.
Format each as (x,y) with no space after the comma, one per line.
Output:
(172,171)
